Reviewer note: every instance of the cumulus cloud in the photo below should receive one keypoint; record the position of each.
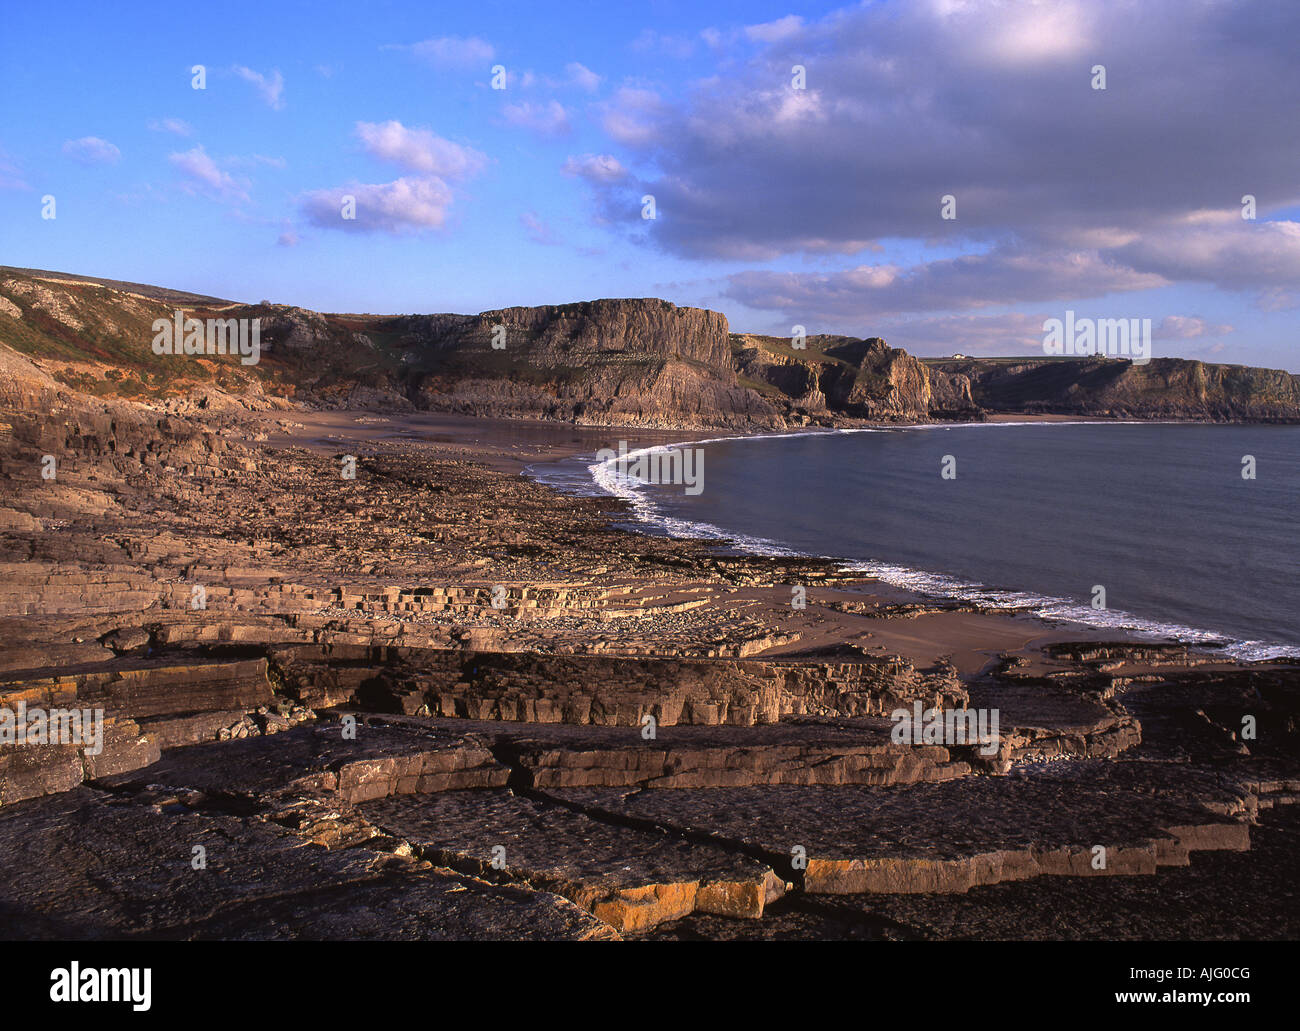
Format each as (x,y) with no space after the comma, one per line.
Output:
(91,150)
(1226,251)
(993,104)
(410,204)
(418,149)
(406,205)
(202,175)
(271,87)
(549,119)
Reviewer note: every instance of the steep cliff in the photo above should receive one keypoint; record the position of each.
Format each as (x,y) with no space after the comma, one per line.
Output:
(1166,388)
(831,378)
(634,361)
(629,361)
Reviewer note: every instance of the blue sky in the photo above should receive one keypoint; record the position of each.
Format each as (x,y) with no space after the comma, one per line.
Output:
(774,204)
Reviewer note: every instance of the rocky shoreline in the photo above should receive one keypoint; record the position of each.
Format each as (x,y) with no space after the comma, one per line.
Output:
(439,700)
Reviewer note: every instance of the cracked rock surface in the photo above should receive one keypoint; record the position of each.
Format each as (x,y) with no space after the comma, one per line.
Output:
(439,700)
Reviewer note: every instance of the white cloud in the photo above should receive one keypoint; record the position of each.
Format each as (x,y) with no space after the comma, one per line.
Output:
(775,31)
(271,87)
(419,149)
(255,160)
(91,150)
(406,205)
(910,102)
(582,76)
(633,116)
(1011,333)
(205,177)
(411,204)
(1230,253)
(1189,327)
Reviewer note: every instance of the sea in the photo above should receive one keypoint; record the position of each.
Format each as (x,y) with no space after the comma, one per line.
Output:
(1182,532)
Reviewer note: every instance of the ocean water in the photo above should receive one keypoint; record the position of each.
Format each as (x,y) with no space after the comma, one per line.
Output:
(1036,517)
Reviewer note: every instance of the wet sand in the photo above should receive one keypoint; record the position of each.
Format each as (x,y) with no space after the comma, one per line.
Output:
(501,444)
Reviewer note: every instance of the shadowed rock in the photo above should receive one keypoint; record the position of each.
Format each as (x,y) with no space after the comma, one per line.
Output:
(83,866)
(630,879)
(949,837)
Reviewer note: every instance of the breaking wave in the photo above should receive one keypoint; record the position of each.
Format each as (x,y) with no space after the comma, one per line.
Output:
(590,476)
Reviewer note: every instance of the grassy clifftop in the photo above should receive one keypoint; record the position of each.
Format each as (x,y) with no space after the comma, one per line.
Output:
(628,361)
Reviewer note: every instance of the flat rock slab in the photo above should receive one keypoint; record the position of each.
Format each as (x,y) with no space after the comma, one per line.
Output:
(379,761)
(29,771)
(1044,721)
(86,865)
(1045,706)
(630,878)
(953,836)
(148,687)
(1219,896)
(792,752)
(1199,717)
(428,905)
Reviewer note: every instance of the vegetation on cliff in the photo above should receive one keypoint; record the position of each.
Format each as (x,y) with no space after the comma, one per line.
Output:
(627,361)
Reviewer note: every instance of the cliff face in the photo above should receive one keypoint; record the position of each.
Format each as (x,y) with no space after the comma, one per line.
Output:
(637,361)
(876,381)
(835,377)
(950,396)
(592,331)
(630,361)
(1166,388)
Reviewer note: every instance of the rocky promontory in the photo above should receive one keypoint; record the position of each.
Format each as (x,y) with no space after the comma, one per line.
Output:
(436,700)
(639,362)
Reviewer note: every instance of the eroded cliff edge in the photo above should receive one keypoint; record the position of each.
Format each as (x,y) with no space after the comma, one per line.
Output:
(628,361)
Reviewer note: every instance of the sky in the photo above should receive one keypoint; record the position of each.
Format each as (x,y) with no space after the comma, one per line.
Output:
(800,160)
